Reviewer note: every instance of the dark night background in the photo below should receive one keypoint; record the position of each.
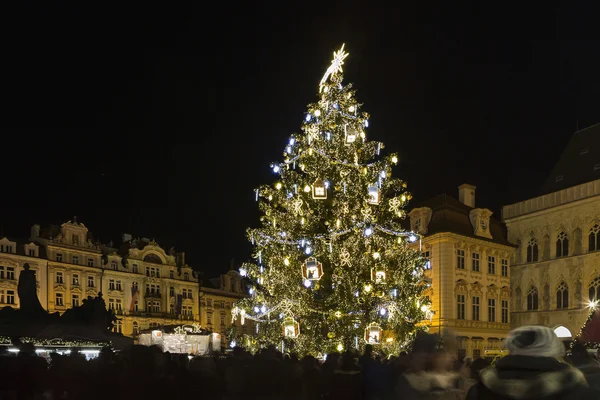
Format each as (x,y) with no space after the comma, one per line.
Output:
(160,120)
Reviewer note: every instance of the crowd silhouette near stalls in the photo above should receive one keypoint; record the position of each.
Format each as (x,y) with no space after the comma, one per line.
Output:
(537,367)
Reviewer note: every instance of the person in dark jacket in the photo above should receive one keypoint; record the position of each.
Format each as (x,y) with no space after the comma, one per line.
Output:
(532,370)
(583,361)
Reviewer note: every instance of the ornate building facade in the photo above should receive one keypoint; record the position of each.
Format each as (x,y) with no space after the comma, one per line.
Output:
(217,297)
(555,272)
(14,254)
(146,286)
(468,270)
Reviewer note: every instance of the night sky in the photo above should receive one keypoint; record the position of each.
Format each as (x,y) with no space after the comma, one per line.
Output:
(160,120)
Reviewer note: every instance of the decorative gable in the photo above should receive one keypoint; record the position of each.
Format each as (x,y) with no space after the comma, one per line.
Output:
(419,220)
(480,219)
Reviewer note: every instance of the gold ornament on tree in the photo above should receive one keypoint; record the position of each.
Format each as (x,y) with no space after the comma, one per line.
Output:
(373,192)
(378,274)
(312,269)
(373,333)
(319,191)
(345,258)
(291,328)
(350,134)
(395,204)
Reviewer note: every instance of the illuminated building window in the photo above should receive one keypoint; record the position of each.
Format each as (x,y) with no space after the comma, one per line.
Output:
(10,297)
(10,273)
(90,262)
(505,311)
(75,300)
(90,282)
(460,259)
(504,267)
(491,310)
(59,257)
(76,260)
(460,306)
(111,284)
(475,308)
(75,280)
(59,277)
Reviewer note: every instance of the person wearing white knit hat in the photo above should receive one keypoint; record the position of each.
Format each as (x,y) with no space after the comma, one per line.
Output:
(534,369)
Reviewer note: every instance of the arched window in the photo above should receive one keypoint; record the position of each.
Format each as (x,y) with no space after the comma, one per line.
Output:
(136,328)
(532,250)
(562,295)
(562,245)
(595,289)
(532,299)
(594,238)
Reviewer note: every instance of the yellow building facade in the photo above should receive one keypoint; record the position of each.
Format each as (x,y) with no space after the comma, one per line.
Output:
(468,270)
(14,255)
(145,286)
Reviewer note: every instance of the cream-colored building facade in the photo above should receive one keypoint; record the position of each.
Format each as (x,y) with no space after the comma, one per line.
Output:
(13,257)
(468,270)
(217,297)
(555,271)
(145,286)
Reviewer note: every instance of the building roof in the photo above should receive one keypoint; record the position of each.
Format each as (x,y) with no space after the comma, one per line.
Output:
(20,247)
(450,215)
(579,162)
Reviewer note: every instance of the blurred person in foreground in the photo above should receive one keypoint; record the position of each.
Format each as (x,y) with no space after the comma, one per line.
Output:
(533,370)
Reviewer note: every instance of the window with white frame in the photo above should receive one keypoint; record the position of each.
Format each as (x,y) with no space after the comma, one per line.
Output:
(186,276)
(59,277)
(114,265)
(426,256)
(2,298)
(172,291)
(59,299)
(111,304)
(90,281)
(135,268)
(32,253)
(75,300)
(90,262)
(10,273)
(119,305)
(59,257)
(76,260)
(562,245)
(111,284)
(10,297)
(1,272)
(75,280)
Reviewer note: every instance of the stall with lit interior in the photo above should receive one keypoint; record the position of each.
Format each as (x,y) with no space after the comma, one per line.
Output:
(182,339)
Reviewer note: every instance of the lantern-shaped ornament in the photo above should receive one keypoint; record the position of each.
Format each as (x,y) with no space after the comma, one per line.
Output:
(378,274)
(351,134)
(291,328)
(319,191)
(312,269)
(373,192)
(373,333)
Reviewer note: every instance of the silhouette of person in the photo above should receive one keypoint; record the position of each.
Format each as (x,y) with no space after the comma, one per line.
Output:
(27,290)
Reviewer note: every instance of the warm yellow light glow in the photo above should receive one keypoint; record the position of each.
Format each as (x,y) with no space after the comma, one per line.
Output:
(368,287)
(394,159)
(335,67)
(286,262)
(302,221)
(376,255)
(593,304)
(340,347)
(351,108)
(424,308)
(338,314)
(403,198)
(278,185)
(307,188)
(389,340)
(338,223)
(362,134)
(318,113)
(270,197)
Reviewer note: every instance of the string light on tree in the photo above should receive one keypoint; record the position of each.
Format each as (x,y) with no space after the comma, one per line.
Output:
(331,242)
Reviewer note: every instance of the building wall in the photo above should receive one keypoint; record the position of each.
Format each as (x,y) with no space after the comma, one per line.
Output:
(576,213)
(216,304)
(448,282)
(13,257)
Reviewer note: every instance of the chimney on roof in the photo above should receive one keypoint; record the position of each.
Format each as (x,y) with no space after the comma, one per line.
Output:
(35,232)
(466,194)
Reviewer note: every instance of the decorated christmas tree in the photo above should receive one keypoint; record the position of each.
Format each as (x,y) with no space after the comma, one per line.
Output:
(334,269)
(589,334)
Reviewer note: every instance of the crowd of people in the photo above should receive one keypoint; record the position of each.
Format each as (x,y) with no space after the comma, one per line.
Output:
(537,367)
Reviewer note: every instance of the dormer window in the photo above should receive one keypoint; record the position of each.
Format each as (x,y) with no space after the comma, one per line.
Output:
(417,225)
(75,240)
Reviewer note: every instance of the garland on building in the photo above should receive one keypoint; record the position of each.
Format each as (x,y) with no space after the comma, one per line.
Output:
(334,269)
(5,340)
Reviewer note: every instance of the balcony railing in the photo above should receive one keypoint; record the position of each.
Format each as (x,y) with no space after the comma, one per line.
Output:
(153,294)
